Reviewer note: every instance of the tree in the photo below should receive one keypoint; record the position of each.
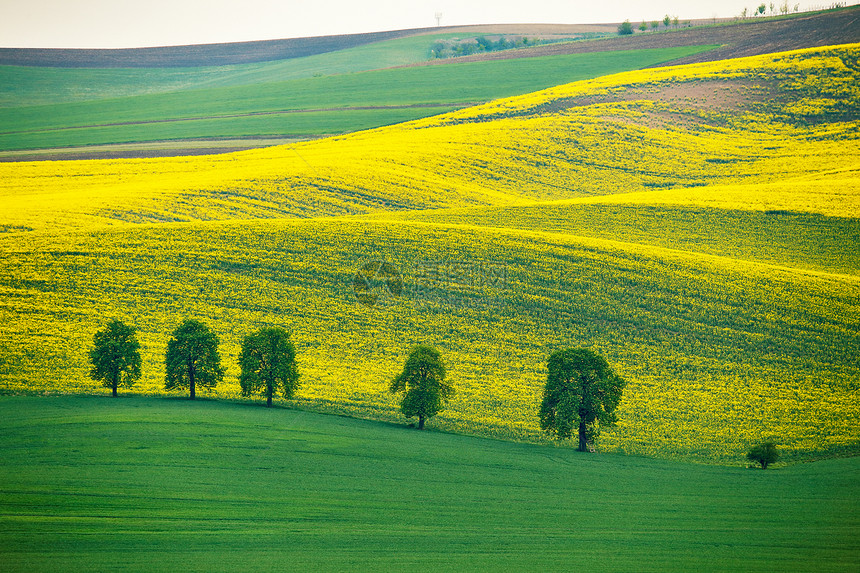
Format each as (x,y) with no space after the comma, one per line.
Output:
(763,454)
(761,9)
(666,20)
(192,358)
(643,26)
(115,356)
(581,392)
(625,28)
(655,24)
(423,384)
(268,362)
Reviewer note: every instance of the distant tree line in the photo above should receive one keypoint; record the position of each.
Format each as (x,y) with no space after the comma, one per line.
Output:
(482,45)
(626,28)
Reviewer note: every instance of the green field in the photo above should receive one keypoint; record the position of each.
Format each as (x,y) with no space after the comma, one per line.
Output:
(143,484)
(211,112)
(50,85)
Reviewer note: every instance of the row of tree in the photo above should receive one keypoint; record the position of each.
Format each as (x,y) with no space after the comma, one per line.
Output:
(580,396)
(267,362)
(760,10)
(581,392)
(267,359)
(626,28)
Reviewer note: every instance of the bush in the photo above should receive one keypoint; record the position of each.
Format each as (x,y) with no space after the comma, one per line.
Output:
(625,28)
(763,454)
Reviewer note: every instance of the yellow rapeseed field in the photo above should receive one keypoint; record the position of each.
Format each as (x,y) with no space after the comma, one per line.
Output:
(693,224)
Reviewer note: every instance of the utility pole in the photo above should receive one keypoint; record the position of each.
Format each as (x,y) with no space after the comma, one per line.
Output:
(438,19)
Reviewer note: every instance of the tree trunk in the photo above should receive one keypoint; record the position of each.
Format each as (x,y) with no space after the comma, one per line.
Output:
(420,422)
(583,444)
(115,383)
(191,380)
(269,398)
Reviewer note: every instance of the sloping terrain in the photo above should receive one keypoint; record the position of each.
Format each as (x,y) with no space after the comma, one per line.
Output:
(304,107)
(191,56)
(225,104)
(145,483)
(694,224)
(736,38)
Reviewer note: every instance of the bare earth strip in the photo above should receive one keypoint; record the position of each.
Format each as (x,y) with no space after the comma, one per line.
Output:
(148,149)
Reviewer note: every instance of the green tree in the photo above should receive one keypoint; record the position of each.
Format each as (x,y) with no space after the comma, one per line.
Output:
(581,392)
(667,20)
(761,9)
(423,384)
(763,454)
(655,24)
(115,356)
(268,362)
(625,28)
(643,26)
(192,358)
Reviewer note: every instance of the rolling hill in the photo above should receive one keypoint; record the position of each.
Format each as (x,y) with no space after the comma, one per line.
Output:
(695,224)
(240,96)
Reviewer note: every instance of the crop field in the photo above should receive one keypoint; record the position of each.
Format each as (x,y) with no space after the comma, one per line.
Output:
(137,484)
(696,225)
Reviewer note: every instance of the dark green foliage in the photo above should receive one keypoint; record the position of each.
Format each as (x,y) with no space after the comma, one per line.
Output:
(423,384)
(763,454)
(192,358)
(115,355)
(268,362)
(625,28)
(581,393)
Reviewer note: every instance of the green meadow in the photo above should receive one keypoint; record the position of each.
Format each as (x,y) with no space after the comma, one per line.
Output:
(306,106)
(148,484)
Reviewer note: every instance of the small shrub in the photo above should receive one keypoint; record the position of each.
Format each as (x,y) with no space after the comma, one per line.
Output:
(763,454)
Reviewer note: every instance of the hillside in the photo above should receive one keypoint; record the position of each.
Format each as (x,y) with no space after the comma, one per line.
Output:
(242,96)
(735,38)
(143,483)
(695,224)
(301,108)
(223,54)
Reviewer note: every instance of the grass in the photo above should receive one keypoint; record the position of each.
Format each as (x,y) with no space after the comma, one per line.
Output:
(143,483)
(44,85)
(304,123)
(23,127)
